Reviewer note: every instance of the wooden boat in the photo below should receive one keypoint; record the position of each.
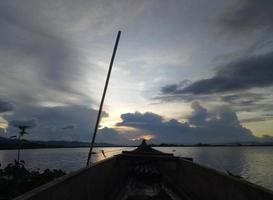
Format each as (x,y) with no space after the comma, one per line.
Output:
(146,173)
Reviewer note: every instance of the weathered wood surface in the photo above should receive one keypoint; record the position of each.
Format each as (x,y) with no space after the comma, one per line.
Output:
(109,178)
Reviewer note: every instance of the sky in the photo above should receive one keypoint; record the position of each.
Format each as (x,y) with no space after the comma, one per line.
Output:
(185,71)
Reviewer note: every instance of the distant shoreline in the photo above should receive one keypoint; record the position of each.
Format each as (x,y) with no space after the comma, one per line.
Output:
(59,147)
(9,144)
(254,145)
(118,146)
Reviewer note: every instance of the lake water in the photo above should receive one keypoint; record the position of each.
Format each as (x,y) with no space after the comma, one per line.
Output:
(255,164)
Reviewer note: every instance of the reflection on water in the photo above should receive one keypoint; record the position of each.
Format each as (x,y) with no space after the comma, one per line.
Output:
(252,163)
(68,159)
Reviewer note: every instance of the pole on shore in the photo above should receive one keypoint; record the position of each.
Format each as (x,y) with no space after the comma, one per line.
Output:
(102,99)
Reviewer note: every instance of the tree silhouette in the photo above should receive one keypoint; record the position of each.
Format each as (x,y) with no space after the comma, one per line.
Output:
(22,126)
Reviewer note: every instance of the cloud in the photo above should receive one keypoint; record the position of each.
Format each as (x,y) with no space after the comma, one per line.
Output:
(248,73)
(249,15)
(27,123)
(70,123)
(69,127)
(163,131)
(267,138)
(55,57)
(244,98)
(250,101)
(199,115)
(110,135)
(62,48)
(138,118)
(2,132)
(247,23)
(44,69)
(244,85)
(53,122)
(257,119)
(5,106)
(208,126)
(174,87)
(219,125)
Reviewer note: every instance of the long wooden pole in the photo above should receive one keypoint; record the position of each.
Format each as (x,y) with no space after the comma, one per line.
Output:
(102,99)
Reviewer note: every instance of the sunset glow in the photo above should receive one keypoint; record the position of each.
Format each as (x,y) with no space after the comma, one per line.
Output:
(145,137)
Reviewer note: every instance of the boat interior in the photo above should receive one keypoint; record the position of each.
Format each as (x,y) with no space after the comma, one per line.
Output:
(148,174)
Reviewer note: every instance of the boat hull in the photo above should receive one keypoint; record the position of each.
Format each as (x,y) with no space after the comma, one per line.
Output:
(188,180)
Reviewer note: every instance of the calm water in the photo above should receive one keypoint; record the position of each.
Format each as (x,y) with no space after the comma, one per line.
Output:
(253,163)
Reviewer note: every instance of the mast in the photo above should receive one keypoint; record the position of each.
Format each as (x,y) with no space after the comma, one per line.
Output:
(102,99)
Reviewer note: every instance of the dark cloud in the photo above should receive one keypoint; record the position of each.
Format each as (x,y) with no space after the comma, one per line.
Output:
(5,106)
(255,71)
(69,127)
(72,123)
(43,63)
(237,100)
(249,15)
(249,101)
(28,123)
(247,23)
(2,132)
(220,117)
(244,98)
(267,138)
(174,87)
(110,135)
(138,118)
(199,115)
(220,125)
(244,65)
(244,28)
(184,97)
(163,131)
(53,122)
